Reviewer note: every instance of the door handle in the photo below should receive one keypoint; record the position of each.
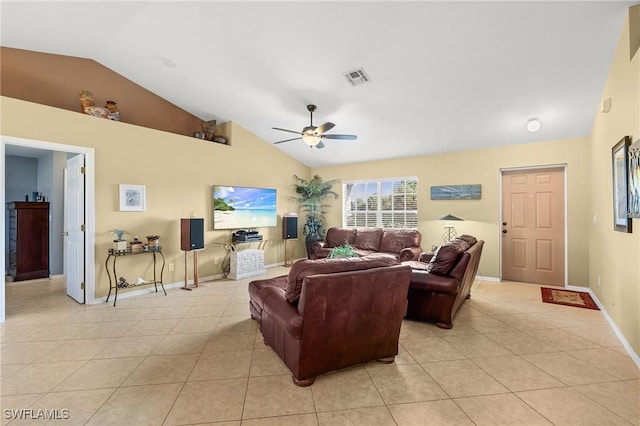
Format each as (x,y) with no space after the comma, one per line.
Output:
(504,231)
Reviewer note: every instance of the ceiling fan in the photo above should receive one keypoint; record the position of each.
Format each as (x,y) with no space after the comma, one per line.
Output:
(312,135)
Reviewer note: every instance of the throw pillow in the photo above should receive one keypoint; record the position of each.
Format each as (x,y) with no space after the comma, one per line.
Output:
(445,258)
(468,238)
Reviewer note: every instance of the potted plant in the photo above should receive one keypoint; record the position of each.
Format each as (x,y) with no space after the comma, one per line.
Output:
(311,197)
(119,243)
(342,251)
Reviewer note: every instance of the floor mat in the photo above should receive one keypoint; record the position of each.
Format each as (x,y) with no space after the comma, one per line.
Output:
(568,297)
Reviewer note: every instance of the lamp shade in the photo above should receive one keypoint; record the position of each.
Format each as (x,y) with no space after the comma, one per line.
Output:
(449,217)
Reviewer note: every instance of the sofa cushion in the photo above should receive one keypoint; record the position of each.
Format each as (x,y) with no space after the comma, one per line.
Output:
(368,239)
(394,240)
(339,236)
(259,291)
(416,265)
(445,258)
(306,267)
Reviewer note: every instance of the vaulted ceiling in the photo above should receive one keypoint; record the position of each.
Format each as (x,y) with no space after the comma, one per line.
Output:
(444,76)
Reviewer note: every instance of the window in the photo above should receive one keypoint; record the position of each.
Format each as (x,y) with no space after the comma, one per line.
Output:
(381,203)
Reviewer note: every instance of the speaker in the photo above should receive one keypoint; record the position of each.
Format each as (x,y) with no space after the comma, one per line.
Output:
(289,227)
(191,234)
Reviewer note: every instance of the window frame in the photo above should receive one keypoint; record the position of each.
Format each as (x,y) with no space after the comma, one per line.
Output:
(379,194)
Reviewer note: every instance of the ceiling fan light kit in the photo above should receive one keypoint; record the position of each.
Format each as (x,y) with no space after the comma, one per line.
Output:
(312,135)
(311,139)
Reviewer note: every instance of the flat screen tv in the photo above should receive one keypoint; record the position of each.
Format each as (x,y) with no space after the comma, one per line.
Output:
(239,207)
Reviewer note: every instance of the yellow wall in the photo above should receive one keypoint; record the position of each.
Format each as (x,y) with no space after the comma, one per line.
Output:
(615,256)
(178,173)
(482,217)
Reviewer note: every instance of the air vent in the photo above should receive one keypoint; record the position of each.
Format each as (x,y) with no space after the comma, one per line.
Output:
(357,77)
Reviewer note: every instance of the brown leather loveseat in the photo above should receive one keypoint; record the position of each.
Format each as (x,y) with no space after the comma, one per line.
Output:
(441,281)
(402,244)
(332,313)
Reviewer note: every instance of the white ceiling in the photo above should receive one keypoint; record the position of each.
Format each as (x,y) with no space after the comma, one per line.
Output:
(446,76)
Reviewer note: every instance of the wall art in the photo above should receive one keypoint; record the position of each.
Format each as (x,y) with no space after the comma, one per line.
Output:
(132,198)
(619,154)
(456,192)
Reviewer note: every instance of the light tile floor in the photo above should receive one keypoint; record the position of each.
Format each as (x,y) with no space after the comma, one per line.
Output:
(197,358)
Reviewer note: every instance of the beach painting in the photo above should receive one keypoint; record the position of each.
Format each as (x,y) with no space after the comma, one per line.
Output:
(238,207)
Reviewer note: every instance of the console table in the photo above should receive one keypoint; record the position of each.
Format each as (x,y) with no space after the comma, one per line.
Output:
(115,283)
(243,261)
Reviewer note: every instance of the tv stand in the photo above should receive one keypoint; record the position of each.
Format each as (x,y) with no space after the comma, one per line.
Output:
(243,261)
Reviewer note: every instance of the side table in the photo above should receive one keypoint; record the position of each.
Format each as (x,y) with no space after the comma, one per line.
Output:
(114,283)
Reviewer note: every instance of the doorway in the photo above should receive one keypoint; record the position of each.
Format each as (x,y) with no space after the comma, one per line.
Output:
(88,207)
(533,225)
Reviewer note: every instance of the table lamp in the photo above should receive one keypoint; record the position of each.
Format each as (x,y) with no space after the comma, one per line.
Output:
(449,231)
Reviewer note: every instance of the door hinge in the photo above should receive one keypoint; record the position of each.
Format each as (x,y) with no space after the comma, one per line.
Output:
(82,228)
(81,286)
(83,170)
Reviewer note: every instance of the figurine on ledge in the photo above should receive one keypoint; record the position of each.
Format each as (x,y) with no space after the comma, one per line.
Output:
(110,111)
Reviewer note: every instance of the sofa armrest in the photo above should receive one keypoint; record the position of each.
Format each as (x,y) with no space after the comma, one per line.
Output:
(441,284)
(317,245)
(279,314)
(425,257)
(410,253)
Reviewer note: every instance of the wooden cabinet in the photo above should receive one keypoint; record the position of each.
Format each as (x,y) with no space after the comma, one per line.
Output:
(28,240)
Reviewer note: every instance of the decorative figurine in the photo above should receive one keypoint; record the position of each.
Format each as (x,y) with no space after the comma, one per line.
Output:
(88,107)
(113,109)
(209,129)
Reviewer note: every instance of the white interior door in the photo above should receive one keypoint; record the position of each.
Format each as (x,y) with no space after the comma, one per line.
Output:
(74,241)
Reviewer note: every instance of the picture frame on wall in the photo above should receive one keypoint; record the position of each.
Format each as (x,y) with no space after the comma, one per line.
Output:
(619,157)
(633,173)
(133,198)
(456,192)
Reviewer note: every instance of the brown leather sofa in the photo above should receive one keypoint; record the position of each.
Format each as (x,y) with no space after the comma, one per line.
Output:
(441,281)
(402,244)
(332,313)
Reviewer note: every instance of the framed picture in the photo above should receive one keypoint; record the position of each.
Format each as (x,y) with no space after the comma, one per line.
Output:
(456,192)
(619,154)
(633,173)
(132,198)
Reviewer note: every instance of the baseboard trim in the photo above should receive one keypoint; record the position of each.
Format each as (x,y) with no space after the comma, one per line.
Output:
(634,356)
(490,279)
(152,289)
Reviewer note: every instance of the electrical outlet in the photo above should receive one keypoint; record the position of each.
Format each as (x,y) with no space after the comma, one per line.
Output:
(171,267)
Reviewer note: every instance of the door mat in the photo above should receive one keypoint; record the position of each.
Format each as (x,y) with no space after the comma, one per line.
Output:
(568,297)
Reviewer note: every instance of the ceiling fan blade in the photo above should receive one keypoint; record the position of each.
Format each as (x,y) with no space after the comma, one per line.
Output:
(286,140)
(341,137)
(285,130)
(320,145)
(325,127)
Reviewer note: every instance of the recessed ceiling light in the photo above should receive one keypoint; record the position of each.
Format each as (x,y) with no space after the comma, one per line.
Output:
(533,125)
(168,62)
